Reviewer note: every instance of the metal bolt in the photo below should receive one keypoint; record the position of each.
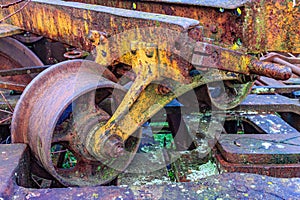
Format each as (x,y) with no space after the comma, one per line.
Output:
(133,47)
(149,50)
(213,29)
(114,146)
(103,39)
(93,35)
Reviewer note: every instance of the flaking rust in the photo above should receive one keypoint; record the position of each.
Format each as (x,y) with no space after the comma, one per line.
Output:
(158,41)
(272,26)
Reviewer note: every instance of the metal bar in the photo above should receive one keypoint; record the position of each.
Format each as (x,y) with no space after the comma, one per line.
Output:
(294,68)
(269,81)
(271,124)
(260,148)
(209,55)
(24,70)
(275,89)
(269,103)
(270,170)
(12,86)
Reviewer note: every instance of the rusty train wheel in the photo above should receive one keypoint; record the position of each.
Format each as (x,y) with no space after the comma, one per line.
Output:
(14,54)
(42,120)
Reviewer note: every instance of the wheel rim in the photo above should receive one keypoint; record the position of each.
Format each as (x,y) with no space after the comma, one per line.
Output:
(14,54)
(37,114)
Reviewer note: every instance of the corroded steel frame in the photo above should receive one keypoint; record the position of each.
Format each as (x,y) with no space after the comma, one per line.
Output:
(151,58)
(262,25)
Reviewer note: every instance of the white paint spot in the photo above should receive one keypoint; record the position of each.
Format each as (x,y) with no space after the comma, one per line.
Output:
(280,146)
(266,145)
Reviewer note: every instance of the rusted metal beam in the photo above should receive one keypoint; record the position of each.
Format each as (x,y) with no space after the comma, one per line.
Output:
(260,148)
(271,124)
(271,170)
(224,27)
(290,62)
(212,56)
(71,22)
(23,70)
(260,153)
(12,86)
(284,89)
(261,25)
(269,103)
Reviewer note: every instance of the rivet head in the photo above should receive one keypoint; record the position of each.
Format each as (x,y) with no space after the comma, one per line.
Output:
(149,52)
(133,47)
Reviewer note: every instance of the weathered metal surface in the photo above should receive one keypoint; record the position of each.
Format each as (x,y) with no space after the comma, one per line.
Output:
(270,170)
(271,124)
(14,54)
(28,37)
(270,89)
(275,154)
(261,25)
(260,148)
(23,70)
(208,55)
(12,86)
(283,87)
(224,27)
(232,96)
(132,113)
(262,80)
(271,103)
(289,61)
(272,26)
(71,22)
(229,185)
(152,63)
(73,83)
(9,30)
(14,168)
(140,23)
(273,70)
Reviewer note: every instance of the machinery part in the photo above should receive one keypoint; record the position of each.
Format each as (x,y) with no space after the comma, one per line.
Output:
(212,56)
(274,103)
(23,70)
(284,60)
(56,126)
(256,23)
(74,54)
(146,27)
(28,38)
(228,94)
(14,54)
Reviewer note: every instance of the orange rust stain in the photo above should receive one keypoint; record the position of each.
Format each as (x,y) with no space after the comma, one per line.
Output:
(273,26)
